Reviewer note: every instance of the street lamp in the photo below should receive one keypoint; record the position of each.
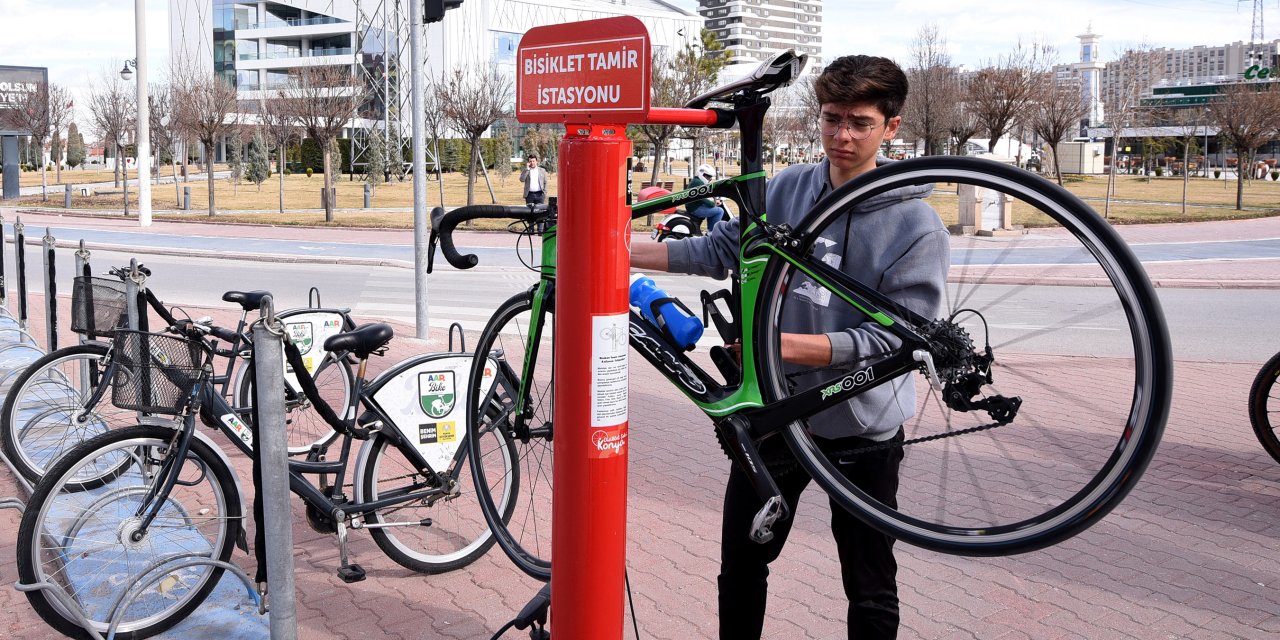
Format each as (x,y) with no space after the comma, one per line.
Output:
(126,73)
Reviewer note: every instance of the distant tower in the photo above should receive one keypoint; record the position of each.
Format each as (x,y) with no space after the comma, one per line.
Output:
(1090,70)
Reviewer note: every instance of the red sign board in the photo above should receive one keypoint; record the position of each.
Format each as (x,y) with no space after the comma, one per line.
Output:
(597,70)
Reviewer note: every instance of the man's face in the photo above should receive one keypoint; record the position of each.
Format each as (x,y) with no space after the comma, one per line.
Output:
(847,154)
(533,162)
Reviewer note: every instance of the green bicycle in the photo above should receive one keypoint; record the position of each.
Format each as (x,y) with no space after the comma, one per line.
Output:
(1044,389)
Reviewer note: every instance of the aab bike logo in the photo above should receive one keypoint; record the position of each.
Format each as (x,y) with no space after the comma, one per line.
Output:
(436,393)
(302,335)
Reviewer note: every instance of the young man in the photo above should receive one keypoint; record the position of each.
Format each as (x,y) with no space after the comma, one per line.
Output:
(705,208)
(535,181)
(894,241)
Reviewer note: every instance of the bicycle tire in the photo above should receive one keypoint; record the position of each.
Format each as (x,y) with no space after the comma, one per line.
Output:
(78,539)
(1068,463)
(41,418)
(456,534)
(305,427)
(1264,406)
(523,529)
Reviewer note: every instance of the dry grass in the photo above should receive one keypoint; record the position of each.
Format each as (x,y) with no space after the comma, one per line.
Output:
(86,176)
(1137,199)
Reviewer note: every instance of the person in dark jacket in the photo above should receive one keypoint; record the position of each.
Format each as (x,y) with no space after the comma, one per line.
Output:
(894,241)
(705,208)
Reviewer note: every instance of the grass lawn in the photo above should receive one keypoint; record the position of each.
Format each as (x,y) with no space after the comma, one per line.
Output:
(1137,199)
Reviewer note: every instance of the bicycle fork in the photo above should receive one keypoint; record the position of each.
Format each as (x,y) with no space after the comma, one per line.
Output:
(737,442)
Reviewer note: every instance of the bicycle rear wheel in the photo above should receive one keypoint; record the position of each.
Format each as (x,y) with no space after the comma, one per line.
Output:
(44,412)
(1264,406)
(518,404)
(78,531)
(1077,334)
(304,425)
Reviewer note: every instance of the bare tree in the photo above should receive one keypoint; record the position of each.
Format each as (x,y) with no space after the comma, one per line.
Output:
(163,132)
(1133,74)
(281,129)
(472,100)
(1248,115)
(928,108)
(1190,123)
(962,124)
(1056,111)
(207,107)
(35,113)
(433,125)
(111,113)
(322,100)
(1001,93)
(61,110)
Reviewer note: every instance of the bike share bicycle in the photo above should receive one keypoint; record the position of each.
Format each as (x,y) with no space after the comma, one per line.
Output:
(129,503)
(64,397)
(1043,391)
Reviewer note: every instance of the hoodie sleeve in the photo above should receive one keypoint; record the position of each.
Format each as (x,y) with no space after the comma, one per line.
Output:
(712,255)
(916,281)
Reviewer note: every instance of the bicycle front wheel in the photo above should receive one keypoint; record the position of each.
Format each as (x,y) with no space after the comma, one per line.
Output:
(46,411)
(516,348)
(1076,332)
(1264,406)
(86,538)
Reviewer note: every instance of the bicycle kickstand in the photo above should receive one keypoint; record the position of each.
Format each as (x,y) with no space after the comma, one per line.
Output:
(348,571)
(737,441)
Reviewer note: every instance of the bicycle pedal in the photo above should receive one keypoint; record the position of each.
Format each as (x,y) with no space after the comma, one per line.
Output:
(351,573)
(762,523)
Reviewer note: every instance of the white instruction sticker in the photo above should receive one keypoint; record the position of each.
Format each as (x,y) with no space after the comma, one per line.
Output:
(609,352)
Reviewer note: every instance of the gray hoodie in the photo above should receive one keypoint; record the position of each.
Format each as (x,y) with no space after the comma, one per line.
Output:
(894,242)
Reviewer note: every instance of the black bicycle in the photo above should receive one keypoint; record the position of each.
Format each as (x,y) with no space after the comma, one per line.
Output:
(133,502)
(1264,406)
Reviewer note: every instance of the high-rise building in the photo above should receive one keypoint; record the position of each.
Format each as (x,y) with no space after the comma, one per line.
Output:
(752,30)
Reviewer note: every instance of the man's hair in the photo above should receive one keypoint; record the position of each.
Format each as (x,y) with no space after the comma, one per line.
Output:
(532,156)
(854,79)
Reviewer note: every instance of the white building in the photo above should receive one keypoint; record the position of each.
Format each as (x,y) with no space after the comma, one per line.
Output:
(752,30)
(255,44)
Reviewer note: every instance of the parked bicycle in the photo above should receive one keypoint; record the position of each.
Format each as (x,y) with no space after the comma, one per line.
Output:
(64,397)
(1046,385)
(1264,406)
(130,502)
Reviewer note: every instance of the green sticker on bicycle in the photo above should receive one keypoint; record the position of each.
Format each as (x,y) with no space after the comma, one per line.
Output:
(301,335)
(436,393)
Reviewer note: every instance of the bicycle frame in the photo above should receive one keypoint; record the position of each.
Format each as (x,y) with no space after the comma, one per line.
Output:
(758,244)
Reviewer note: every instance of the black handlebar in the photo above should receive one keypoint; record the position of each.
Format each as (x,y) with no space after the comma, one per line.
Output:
(443,224)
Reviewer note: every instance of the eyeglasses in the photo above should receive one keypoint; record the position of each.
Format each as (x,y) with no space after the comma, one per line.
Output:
(858,129)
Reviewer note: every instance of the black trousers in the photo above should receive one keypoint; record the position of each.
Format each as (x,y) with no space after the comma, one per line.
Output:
(534,197)
(867,565)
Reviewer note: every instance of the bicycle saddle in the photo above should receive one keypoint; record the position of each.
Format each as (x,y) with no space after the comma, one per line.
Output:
(770,76)
(248,300)
(363,341)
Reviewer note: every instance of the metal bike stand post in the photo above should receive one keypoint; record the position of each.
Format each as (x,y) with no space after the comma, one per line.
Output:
(19,243)
(50,289)
(82,268)
(589,504)
(268,362)
(4,288)
(132,285)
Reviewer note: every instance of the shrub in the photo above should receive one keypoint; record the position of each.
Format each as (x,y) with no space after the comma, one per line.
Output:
(1159,172)
(309,172)
(1217,173)
(1275,175)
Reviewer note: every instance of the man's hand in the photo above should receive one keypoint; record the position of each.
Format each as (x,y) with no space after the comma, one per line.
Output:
(806,349)
(649,256)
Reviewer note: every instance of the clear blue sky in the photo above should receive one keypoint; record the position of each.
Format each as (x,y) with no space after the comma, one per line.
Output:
(79,39)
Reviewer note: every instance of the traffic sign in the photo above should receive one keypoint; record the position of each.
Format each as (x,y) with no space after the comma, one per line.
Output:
(592,71)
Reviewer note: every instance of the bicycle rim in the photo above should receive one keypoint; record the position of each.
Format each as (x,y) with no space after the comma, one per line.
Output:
(441,530)
(304,426)
(80,539)
(523,528)
(1264,406)
(47,416)
(1077,334)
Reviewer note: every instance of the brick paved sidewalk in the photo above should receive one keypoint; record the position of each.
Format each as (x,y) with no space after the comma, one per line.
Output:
(1191,553)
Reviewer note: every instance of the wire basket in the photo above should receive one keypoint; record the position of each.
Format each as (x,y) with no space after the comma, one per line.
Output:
(155,373)
(98,306)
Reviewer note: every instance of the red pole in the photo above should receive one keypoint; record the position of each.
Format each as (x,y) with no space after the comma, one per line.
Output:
(589,512)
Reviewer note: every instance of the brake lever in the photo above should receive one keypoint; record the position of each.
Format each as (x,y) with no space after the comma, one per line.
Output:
(431,248)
